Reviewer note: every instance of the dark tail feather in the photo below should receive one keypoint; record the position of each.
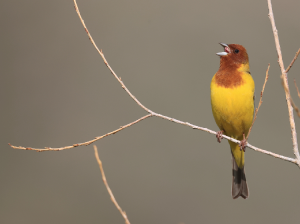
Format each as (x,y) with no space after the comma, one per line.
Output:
(239,184)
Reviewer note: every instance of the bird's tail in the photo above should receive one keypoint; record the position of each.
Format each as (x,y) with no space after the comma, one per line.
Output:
(239,184)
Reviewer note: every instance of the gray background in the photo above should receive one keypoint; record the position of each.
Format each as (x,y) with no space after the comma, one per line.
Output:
(56,91)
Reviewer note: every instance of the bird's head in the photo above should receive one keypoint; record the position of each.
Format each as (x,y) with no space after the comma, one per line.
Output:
(233,53)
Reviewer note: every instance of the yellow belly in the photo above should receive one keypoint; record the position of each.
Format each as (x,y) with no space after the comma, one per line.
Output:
(233,111)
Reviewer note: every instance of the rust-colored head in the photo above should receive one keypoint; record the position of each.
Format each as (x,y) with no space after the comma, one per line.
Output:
(233,54)
(234,60)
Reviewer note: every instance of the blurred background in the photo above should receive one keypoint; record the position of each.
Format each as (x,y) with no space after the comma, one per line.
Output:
(56,91)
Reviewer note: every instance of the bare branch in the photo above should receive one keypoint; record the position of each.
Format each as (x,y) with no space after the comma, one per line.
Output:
(260,101)
(285,81)
(273,154)
(84,143)
(166,118)
(151,113)
(112,197)
(296,56)
(106,63)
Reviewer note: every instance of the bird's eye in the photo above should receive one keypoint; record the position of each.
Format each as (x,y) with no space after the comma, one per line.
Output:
(236,51)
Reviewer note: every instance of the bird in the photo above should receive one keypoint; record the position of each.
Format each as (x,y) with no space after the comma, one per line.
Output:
(232,102)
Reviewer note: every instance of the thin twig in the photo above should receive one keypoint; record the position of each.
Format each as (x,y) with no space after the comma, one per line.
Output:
(84,143)
(296,56)
(292,101)
(286,88)
(112,197)
(295,107)
(260,101)
(287,70)
(106,63)
(285,80)
(297,88)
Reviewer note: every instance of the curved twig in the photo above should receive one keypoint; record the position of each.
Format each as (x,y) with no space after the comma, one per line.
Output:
(260,101)
(112,197)
(84,143)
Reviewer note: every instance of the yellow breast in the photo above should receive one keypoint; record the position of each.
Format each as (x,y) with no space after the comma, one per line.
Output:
(233,107)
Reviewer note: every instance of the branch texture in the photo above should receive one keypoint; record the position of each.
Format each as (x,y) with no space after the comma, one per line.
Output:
(151,113)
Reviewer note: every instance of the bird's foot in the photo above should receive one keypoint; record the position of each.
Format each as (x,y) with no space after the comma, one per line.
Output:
(243,143)
(219,136)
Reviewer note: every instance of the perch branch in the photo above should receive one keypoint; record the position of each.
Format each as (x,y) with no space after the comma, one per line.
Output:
(167,118)
(151,113)
(112,197)
(285,81)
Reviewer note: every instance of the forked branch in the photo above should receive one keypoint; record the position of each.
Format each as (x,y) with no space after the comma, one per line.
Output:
(151,113)
(285,81)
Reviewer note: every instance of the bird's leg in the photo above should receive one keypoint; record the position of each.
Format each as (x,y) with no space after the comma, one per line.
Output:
(243,143)
(219,136)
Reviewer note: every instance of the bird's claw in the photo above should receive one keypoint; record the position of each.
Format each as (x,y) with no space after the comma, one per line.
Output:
(243,143)
(219,136)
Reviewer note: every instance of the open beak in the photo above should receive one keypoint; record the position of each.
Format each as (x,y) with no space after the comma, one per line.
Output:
(226,50)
